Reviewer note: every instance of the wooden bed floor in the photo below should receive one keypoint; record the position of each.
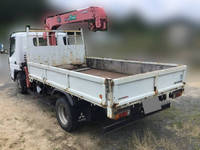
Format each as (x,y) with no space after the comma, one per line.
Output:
(95,72)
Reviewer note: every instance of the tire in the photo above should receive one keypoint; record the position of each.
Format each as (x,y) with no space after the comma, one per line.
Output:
(21,82)
(66,115)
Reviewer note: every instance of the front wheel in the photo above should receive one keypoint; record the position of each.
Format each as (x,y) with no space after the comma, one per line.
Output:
(21,82)
(66,115)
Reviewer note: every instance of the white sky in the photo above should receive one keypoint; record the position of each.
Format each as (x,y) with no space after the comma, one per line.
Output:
(152,10)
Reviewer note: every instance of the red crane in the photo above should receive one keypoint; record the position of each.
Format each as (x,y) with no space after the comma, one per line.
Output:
(94,16)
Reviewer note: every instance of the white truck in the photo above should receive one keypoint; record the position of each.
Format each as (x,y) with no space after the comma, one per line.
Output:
(81,85)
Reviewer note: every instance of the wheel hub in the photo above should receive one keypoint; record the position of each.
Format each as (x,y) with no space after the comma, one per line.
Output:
(62,114)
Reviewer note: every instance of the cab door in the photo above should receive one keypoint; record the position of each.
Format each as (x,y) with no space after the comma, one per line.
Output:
(14,66)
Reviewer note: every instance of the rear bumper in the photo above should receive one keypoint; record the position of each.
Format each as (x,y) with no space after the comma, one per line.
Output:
(130,119)
(150,104)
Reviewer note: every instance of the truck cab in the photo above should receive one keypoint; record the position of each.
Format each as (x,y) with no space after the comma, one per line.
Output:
(16,53)
(21,42)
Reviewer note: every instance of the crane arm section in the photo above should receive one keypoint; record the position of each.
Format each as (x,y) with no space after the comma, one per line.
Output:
(94,16)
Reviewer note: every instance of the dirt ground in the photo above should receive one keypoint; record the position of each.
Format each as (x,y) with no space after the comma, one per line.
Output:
(26,122)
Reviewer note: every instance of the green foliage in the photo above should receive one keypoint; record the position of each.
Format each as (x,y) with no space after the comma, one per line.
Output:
(14,10)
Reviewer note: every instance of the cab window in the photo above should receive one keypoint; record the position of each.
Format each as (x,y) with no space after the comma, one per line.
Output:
(12,46)
(39,42)
(73,38)
(79,39)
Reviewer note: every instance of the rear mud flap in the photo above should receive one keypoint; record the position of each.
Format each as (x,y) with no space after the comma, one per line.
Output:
(151,105)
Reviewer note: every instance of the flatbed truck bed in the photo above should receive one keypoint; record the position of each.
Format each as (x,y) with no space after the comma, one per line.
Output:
(119,87)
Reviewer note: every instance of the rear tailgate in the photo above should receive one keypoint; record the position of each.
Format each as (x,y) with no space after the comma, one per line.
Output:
(128,90)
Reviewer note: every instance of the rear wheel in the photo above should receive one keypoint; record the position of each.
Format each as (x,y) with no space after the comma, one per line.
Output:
(66,114)
(21,82)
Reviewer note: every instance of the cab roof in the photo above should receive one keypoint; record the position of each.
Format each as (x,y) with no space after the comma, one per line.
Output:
(22,34)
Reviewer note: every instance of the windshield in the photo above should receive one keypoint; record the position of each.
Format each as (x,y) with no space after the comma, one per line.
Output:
(12,46)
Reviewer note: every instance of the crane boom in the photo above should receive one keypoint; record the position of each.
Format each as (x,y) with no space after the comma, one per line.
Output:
(94,16)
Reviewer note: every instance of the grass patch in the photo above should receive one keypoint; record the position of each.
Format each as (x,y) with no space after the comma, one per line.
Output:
(186,128)
(150,142)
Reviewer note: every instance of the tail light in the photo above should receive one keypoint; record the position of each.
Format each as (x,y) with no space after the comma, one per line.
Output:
(122,114)
(176,93)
